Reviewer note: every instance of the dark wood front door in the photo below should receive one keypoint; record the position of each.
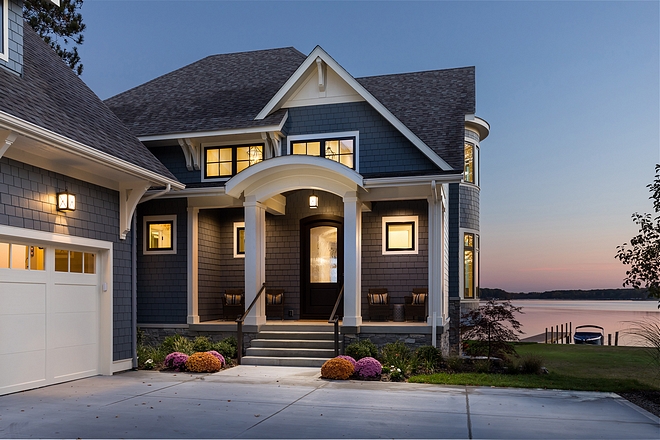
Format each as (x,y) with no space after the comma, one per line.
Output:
(321,265)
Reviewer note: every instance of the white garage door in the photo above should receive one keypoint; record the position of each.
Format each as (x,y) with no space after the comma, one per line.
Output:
(49,315)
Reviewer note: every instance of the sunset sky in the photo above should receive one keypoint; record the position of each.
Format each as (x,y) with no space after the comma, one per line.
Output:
(571,90)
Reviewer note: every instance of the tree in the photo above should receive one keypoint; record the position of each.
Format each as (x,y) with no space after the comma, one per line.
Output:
(643,253)
(491,328)
(53,23)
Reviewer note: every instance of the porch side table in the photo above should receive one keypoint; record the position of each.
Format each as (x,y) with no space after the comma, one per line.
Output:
(398,312)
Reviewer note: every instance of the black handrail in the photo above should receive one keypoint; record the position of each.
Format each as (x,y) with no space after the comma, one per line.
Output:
(239,325)
(334,319)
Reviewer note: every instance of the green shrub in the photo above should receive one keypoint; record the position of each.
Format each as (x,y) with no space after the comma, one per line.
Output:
(481,366)
(226,347)
(146,352)
(455,364)
(202,344)
(531,364)
(428,358)
(397,354)
(362,349)
(511,365)
(177,343)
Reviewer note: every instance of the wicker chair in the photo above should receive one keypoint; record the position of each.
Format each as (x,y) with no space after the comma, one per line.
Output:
(376,307)
(232,309)
(275,303)
(419,311)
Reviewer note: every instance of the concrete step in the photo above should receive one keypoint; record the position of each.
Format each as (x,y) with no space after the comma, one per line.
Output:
(283,362)
(319,336)
(324,328)
(325,353)
(293,343)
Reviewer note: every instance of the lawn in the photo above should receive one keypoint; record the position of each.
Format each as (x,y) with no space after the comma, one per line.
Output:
(571,367)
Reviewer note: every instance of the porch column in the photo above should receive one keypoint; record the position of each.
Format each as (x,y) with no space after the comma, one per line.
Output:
(255,258)
(193,266)
(437,300)
(352,260)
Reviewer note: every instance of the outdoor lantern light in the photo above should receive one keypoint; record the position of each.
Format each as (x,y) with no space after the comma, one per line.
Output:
(313,201)
(66,201)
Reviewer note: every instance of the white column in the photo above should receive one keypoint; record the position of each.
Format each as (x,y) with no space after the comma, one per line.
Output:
(193,266)
(436,262)
(255,259)
(352,260)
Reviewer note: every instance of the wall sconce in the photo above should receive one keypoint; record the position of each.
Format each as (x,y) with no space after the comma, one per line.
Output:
(66,201)
(313,201)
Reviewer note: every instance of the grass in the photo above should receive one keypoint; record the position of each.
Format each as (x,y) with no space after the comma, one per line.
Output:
(571,367)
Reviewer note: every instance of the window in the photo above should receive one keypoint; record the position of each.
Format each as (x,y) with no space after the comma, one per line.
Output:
(159,235)
(231,160)
(239,240)
(338,149)
(468,174)
(75,261)
(470,266)
(21,257)
(4,30)
(400,235)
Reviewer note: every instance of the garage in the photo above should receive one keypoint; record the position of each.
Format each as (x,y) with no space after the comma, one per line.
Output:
(51,300)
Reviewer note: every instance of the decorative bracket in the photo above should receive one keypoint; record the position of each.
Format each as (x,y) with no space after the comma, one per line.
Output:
(321,68)
(130,194)
(191,152)
(274,144)
(6,140)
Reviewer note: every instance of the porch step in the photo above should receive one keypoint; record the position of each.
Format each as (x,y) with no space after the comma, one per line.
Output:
(294,345)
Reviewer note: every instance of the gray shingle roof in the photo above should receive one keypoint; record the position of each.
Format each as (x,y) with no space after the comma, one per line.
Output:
(218,92)
(50,95)
(431,104)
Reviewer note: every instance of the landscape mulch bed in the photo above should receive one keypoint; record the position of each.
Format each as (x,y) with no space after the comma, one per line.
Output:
(649,400)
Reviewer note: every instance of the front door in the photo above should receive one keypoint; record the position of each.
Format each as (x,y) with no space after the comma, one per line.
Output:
(322,265)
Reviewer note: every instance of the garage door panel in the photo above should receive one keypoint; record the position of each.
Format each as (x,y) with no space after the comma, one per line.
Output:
(32,371)
(22,333)
(72,298)
(22,298)
(71,329)
(70,362)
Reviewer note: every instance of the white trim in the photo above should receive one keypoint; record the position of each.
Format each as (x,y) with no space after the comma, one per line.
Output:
(475,268)
(122,365)
(401,219)
(385,182)
(280,97)
(235,243)
(234,143)
(63,143)
(145,234)
(479,125)
(4,53)
(227,132)
(315,136)
(193,266)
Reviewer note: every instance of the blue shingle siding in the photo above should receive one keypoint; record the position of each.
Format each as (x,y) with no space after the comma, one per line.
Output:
(398,273)
(162,284)
(218,270)
(454,244)
(172,157)
(383,150)
(27,201)
(15,35)
(469,207)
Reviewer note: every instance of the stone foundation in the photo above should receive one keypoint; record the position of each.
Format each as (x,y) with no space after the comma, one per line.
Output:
(454,326)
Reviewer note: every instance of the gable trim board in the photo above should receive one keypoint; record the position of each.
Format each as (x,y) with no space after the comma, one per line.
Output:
(230,132)
(292,84)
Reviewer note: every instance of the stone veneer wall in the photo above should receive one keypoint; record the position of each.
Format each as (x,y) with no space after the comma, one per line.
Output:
(412,340)
(27,200)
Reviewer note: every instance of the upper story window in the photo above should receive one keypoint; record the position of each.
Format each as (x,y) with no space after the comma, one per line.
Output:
(231,160)
(470,171)
(470,265)
(4,30)
(339,149)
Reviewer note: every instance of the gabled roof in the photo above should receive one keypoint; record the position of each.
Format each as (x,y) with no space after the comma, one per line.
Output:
(216,93)
(51,96)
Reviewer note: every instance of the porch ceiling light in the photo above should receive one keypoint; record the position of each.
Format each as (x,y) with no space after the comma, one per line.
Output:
(66,201)
(313,201)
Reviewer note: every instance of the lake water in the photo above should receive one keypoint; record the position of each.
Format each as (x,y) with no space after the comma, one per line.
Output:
(611,315)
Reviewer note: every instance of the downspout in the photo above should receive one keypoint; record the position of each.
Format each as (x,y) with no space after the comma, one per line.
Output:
(434,328)
(134,291)
(167,189)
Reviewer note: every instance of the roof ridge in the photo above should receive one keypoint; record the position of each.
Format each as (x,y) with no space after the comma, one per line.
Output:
(416,72)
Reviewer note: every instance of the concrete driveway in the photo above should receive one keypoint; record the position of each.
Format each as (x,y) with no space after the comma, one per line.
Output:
(282,402)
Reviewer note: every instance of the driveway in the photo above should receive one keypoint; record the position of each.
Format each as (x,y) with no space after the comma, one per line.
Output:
(282,402)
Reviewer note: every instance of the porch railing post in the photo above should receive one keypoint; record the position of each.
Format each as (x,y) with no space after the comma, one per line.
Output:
(239,336)
(336,337)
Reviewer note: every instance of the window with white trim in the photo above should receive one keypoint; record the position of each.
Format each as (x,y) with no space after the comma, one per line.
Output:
(400,235)
(340,149)
(21,257)
(239,240)
(471,163)
(470,265)
(4,30)
(227,161)
(159,235)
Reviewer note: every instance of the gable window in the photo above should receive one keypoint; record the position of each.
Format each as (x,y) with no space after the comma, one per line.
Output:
(339,149)
(239,240)
(470,265)
(4,30)
(159,235)
(231,160)
(400,235)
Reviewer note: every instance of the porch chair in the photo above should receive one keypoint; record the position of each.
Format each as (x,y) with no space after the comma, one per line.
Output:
(416,305)
(379,304)
(233,303)
(275,303)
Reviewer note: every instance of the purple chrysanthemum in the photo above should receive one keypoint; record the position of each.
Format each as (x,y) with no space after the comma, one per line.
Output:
(176,360)
(348,358)
(368,367)
(220,357)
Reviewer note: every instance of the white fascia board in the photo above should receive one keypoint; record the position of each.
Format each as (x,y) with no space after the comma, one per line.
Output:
(56,2)
(478,124)
(191,192)
(279,98)
(385,182)
(229,132)
(43,135)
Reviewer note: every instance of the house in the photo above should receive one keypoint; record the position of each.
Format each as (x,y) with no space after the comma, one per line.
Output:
(66,269)
(303,178)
